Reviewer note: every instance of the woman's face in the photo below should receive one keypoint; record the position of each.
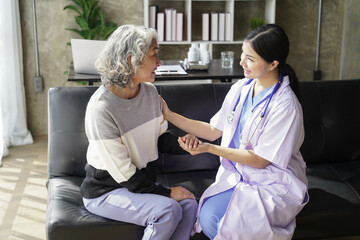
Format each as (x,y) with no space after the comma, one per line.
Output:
(254,66)
(150,62)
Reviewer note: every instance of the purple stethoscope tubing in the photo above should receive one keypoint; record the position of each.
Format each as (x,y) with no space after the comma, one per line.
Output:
(268,97)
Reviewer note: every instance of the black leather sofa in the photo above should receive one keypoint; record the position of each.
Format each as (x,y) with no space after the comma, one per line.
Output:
(331,150)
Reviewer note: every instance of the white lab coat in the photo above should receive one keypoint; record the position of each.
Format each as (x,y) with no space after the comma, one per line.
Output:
(265,203)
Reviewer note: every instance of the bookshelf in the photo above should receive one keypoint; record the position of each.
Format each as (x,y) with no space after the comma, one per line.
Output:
(240,13)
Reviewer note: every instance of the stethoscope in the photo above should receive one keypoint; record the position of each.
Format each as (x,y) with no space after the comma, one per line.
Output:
(230,116)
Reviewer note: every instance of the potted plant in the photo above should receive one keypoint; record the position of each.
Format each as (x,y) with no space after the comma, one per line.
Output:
(90,20)
(257,22)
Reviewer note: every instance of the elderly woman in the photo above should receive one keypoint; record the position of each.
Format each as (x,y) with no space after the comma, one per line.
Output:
(123,122)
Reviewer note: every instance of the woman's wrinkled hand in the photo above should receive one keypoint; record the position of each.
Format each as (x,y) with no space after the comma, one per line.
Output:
(192,145)
(180,193)
(190,141)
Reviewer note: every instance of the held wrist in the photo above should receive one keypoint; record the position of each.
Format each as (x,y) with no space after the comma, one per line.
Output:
(209,148)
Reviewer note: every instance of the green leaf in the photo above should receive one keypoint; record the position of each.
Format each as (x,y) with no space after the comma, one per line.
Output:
(71,7)
(102,20)
(82,82)
(106,31)
(256,22)
(83,34)
(95,32)
(86,12)
(82,23)
(94,16)
(77,2)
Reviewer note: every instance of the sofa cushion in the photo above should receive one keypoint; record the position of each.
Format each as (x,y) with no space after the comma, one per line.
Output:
(67,217)
(334,207)
(195,181)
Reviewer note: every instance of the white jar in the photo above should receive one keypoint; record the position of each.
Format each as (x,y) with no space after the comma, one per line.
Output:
(206,58)
(192,55)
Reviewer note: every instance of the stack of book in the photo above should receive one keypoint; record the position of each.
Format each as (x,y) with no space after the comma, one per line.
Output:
(216,26)
(169,24)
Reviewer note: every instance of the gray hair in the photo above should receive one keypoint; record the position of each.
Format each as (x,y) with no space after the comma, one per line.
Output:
(127,40)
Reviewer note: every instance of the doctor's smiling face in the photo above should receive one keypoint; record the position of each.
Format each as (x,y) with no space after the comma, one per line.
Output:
(254,66)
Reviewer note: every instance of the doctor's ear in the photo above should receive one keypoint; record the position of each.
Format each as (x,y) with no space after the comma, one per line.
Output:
(274,64)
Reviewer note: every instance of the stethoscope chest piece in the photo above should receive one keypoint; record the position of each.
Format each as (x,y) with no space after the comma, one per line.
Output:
(230,117)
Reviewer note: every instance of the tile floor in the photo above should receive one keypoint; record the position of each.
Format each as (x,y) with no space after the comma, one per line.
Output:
(23,194)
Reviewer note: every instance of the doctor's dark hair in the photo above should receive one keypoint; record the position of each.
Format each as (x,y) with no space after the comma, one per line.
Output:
(271,43)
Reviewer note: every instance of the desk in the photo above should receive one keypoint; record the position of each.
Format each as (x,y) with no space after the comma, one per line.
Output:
(215,72)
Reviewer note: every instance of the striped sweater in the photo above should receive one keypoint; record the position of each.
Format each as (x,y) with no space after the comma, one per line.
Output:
(123,136)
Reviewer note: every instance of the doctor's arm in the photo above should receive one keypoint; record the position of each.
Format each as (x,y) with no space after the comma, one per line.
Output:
(246,157)
(198,128)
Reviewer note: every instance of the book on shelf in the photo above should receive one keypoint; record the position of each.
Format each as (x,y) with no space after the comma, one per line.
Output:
(221,27)
(168,25)
(227,27)
(214,23)
(216,26)
(153,9)
(173,24)
(160,26)
(179,26)
(205,26)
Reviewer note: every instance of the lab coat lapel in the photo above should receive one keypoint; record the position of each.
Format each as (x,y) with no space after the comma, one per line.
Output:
(251,123)
(243,92)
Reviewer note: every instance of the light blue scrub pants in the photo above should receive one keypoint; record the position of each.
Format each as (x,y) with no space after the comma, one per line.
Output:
(163,217)
(212,211)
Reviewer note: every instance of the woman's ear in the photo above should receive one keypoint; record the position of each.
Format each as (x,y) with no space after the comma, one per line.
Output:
(274,65)
(128,60)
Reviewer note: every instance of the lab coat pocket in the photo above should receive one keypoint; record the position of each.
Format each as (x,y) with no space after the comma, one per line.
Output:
(277,183)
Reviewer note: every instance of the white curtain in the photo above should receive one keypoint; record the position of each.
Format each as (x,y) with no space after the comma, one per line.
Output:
(12,94)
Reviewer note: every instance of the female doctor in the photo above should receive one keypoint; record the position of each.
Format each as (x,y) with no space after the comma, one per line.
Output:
(261,184)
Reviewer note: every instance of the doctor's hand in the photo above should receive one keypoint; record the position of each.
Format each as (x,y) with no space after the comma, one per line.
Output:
(180,193)
(190,141)
(195,148)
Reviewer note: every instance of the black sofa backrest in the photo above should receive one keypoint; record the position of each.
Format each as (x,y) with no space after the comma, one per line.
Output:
(330,118)
(196,101)
(68,142)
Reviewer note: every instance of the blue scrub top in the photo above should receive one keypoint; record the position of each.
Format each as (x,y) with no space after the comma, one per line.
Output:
(249,104)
